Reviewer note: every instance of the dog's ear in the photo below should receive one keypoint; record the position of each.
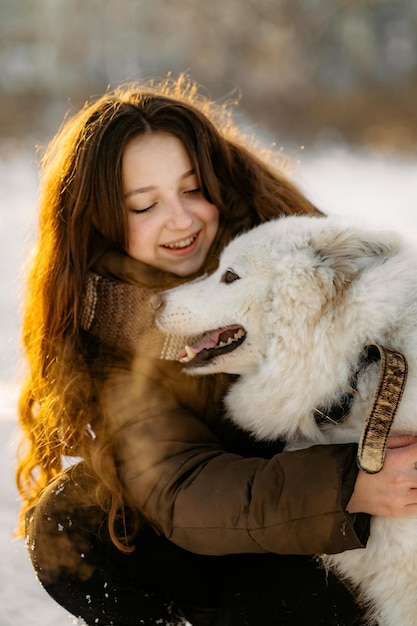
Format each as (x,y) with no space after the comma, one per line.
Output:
(350,251)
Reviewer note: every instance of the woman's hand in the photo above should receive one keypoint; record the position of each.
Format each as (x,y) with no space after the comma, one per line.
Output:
(392,492)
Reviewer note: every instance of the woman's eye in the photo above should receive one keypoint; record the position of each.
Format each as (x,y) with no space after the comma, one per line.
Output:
(193,191)
(138,211)
(229,276)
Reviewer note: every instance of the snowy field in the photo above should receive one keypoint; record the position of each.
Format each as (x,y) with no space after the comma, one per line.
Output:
(369,186)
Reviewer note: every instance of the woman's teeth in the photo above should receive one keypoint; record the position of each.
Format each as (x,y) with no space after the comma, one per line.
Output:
(181,244)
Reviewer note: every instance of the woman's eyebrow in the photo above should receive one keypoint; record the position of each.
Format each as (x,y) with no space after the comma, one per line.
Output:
(152,187)
(139,190)
(190,172)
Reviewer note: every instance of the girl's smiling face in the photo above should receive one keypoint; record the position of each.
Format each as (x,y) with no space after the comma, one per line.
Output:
(171,225)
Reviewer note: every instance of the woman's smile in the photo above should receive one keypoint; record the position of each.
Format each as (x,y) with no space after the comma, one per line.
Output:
(184,245)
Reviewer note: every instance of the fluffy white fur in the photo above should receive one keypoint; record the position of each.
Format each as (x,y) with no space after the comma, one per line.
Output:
(310,293)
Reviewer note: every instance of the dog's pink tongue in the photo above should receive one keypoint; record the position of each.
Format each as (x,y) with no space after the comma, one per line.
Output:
(208,341)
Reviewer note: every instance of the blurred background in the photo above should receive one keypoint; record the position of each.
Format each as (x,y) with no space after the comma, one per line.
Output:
(309,71)
(331,82)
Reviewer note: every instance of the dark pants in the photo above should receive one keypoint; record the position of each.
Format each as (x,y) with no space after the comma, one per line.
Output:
(160,583)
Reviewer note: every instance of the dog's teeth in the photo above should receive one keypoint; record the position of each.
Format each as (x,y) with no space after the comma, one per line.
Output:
(238,334)
(190,354)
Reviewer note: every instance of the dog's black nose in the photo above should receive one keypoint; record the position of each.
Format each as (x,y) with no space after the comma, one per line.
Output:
(157,301)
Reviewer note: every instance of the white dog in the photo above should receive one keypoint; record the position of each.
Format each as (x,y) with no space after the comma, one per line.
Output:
(294,302)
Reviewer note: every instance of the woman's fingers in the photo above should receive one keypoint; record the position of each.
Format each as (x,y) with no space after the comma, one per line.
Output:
(399,441)
(392,492)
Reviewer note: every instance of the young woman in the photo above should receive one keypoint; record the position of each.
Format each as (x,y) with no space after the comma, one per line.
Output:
(172,514)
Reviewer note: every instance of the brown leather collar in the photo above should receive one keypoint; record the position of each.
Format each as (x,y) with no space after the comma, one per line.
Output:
(387,397)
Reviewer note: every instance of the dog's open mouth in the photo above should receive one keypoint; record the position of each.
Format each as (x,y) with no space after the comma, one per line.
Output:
(213,344)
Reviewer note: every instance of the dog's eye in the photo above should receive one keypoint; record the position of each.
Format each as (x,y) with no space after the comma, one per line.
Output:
(229,276)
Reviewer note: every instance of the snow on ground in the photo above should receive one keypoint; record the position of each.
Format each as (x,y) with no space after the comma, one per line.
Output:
(370,186)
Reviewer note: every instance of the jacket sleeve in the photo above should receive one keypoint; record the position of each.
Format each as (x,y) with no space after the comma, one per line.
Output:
(209,501)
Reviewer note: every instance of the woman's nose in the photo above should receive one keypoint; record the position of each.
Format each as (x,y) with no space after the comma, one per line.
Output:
(179,216)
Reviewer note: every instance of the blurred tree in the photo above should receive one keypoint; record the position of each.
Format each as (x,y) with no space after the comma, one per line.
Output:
(312,70)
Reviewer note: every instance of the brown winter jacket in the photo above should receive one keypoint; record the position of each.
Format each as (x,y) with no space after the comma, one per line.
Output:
(205,485)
